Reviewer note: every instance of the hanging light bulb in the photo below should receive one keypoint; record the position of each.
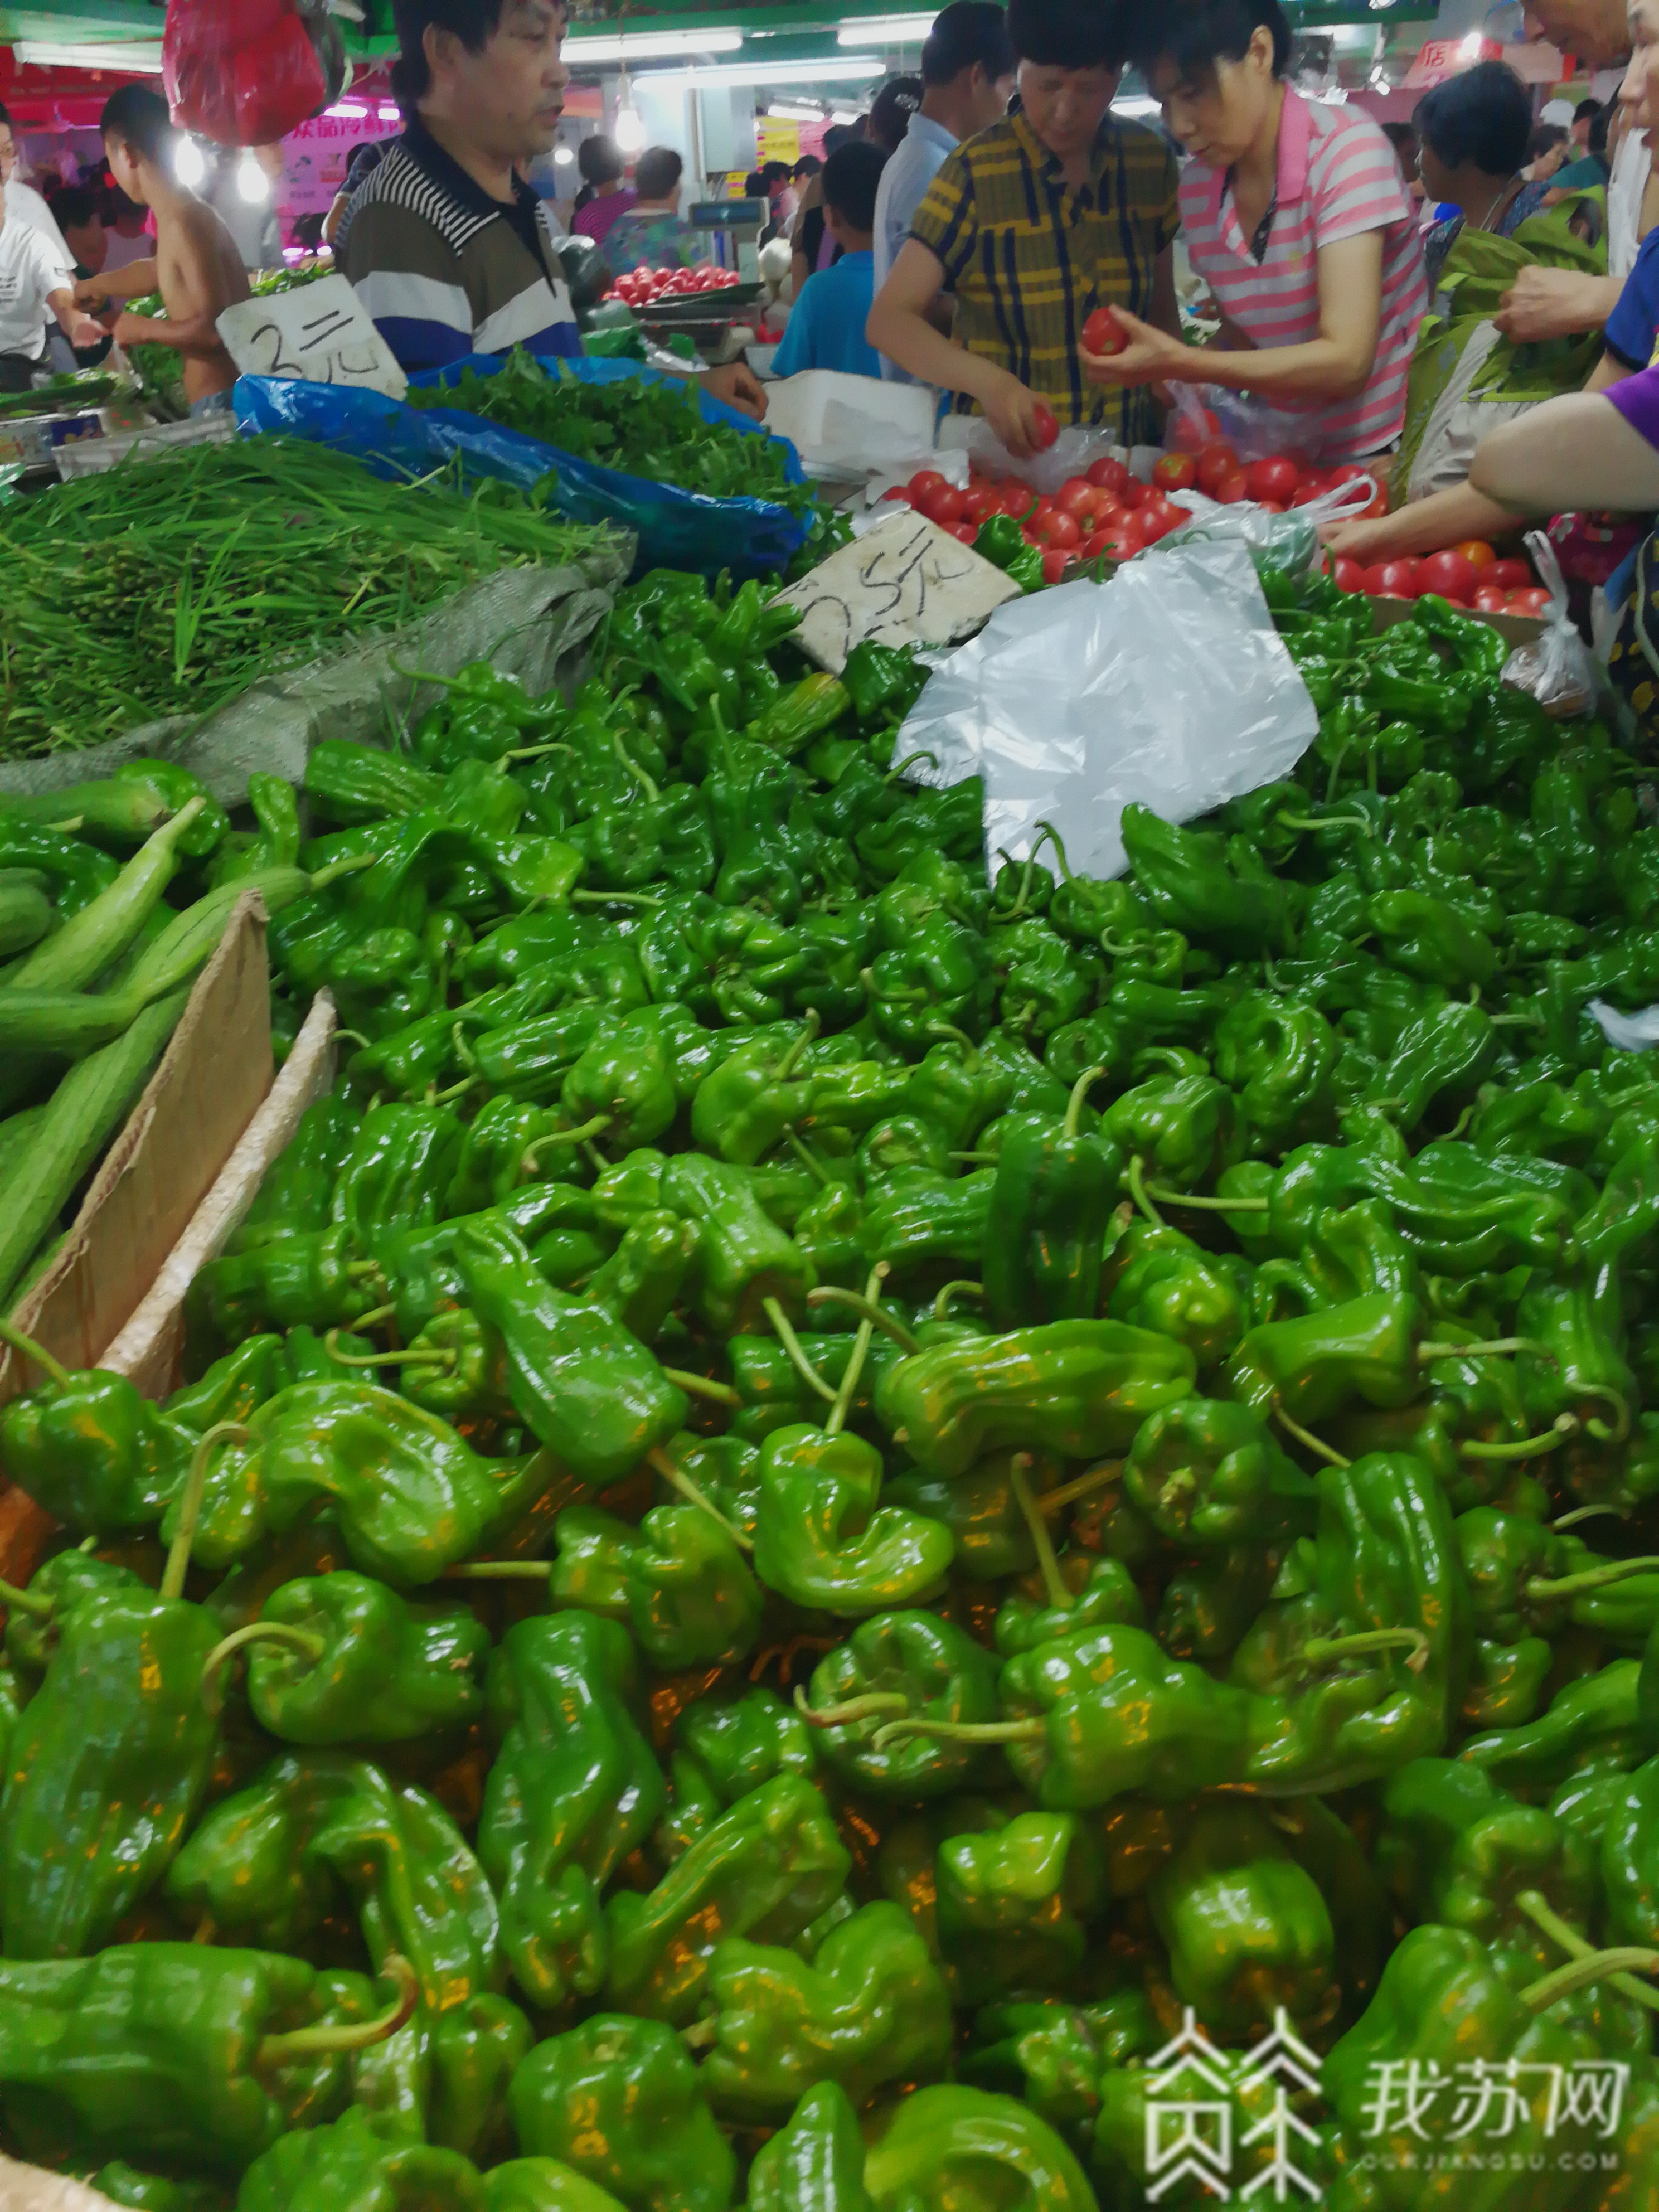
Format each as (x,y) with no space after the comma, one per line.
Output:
(563,156)
(252,181)
(629,131)
(187,164)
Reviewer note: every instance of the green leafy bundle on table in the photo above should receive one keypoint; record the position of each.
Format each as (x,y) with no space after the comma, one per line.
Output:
(827,1495)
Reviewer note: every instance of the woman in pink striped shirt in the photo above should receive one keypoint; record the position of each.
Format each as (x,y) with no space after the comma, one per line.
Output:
(1296,217)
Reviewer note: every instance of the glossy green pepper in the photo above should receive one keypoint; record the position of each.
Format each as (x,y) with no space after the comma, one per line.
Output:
(1207,1472)
(822,1541)
(1247,1931)
(617,2099)
(1045,1234)
(679,1579)
(900,1662)
(1014,1903)
(361,1665)
(89,1447)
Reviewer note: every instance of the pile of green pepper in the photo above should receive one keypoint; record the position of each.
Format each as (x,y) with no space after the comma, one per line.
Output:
(827,1495)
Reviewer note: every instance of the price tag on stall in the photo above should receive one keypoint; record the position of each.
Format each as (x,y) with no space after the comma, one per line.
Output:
(321,332)
(905,582)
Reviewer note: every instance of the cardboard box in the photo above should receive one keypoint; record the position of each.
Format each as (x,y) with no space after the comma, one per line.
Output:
(168,1168)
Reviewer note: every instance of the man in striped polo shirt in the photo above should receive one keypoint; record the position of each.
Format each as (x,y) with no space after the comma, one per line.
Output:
(446,245)
(1295,215)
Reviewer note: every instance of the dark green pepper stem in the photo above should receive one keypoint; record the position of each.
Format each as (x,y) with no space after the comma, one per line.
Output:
(809,1029)
(190,1504)
(828,1295)
(321,2042)
(262,1632)
(1314,1444)
(703,1386)
(1526,1447)
(955,1036)
(792,1344)
(1318,1650)
(676,1479)
(1060,1597)
(1537,1908)
(1582,1973)
(1053,836)
(872,1707)
(909,761)
(1046,836)
(861,1342)
(1592,1578)
(942,1303)
(1587,1513)
(1080,1090)
(53,1369)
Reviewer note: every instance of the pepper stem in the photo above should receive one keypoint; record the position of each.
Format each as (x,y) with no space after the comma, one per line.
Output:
(411,1356)
(596,1127)
(1524,1447)
(959,1037)
(1620,1405)
(808,1158)
(1325,822)
(790,1061)
(849,1380)
(1060,1597)
(499,1570)
(869,1708)
(53,1369)
(1314,1444)
(1318,1649)
(792,1344)
(614,898)
(1074,1103)
(1592,1578)
(831,1295)
(703,1386)
(960,1731)
(1163,1191)
(678,1478)
(1491,1347)
(1539,1910)
(1137,1192)
(1582,1973)
(700,2033)
(322,2042)
(190,1502)
(1053,835)
(22,1601)
(263,1632)
(1587,1513)
(895,773)
(942,1303)
(1097,1478)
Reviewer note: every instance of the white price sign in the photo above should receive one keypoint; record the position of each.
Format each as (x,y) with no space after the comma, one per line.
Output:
(905,582)
(320,332)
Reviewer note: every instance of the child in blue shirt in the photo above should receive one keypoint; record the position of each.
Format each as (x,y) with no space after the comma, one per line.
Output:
(826,324)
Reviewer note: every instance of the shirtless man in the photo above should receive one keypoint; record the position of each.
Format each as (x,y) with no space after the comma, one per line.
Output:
(195,267)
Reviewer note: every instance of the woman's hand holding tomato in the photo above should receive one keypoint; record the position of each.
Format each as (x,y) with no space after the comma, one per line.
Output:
(1147,355)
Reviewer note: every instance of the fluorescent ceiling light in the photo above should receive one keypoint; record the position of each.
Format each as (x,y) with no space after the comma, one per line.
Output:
(389,113)
(855,65)
(888,30)
(1470,49)
(141,58)
(252,181)
(353,109)
(1132,106)
(187,164)
(846,115)
(794,110)
(640,45)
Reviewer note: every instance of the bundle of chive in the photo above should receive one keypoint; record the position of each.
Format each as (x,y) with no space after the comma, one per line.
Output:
(169,585)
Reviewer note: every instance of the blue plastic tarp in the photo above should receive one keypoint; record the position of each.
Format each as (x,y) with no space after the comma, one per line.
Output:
(676,529)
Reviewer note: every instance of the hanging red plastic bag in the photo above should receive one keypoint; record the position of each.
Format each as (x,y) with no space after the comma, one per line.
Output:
(242,72)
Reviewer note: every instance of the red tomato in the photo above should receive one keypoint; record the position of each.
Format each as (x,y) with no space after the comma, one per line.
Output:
(1372,586)
(1233,489)
(1103,334)
(1077,495)
(1452,574)
(1134,494)
(1045,428)
(1018,498)
(1276,478)
(1347,473)
(1096,543)
(1490,599)
(1477,553)
(924,484)
(1216,463)
(1272,506)
(1534,601)
(1347,575)
(1156,522)
(1312,487)
(979,504)
(897,491)
(1175,471)
(946,505)
(1188,438)
(1108,475)
(1056,528)
(1397,580)
(1055,561)
(1510,575)
(965,530)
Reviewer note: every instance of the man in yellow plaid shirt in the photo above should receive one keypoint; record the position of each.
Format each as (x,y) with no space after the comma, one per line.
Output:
(1055,211)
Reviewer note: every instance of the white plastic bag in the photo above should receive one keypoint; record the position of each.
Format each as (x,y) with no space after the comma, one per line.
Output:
(852,426)
(1627,1032)
(1074,451)
(1288,540)
(1169,684)
(1556,667)
(1256,431)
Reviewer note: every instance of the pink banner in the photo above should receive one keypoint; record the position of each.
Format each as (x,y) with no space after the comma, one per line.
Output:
(316,156)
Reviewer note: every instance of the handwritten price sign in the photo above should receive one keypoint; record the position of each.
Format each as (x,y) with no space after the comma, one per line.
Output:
(320,332)
(905,582)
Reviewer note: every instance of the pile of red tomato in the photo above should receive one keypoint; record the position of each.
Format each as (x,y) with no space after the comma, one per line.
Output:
(1107,512)
(642,286)
(1470,576)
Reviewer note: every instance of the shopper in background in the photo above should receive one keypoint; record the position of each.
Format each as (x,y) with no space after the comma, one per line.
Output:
(1584,121)
(1592,171)
(26,204)
(604,195)
(31,288)
(1295,216)
(197,269)
(826,324)
(894,103)
(967,77)
(811,246)
(1547,150)
(359,169)
(651,231)
(127,234)
(780,197)
(1051,213)
(1475,130)
(77,212)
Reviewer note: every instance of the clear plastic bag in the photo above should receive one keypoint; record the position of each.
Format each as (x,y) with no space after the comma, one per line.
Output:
(1256,431)
(1072,454)
(1556,667)
(1169,684)
(1288,541)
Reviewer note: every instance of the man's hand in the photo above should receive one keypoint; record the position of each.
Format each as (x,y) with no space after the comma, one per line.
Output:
(737,385)
(1013,413)
(84,332)
(1365,542)
(1149,357)
(1553,303)
(89,294)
